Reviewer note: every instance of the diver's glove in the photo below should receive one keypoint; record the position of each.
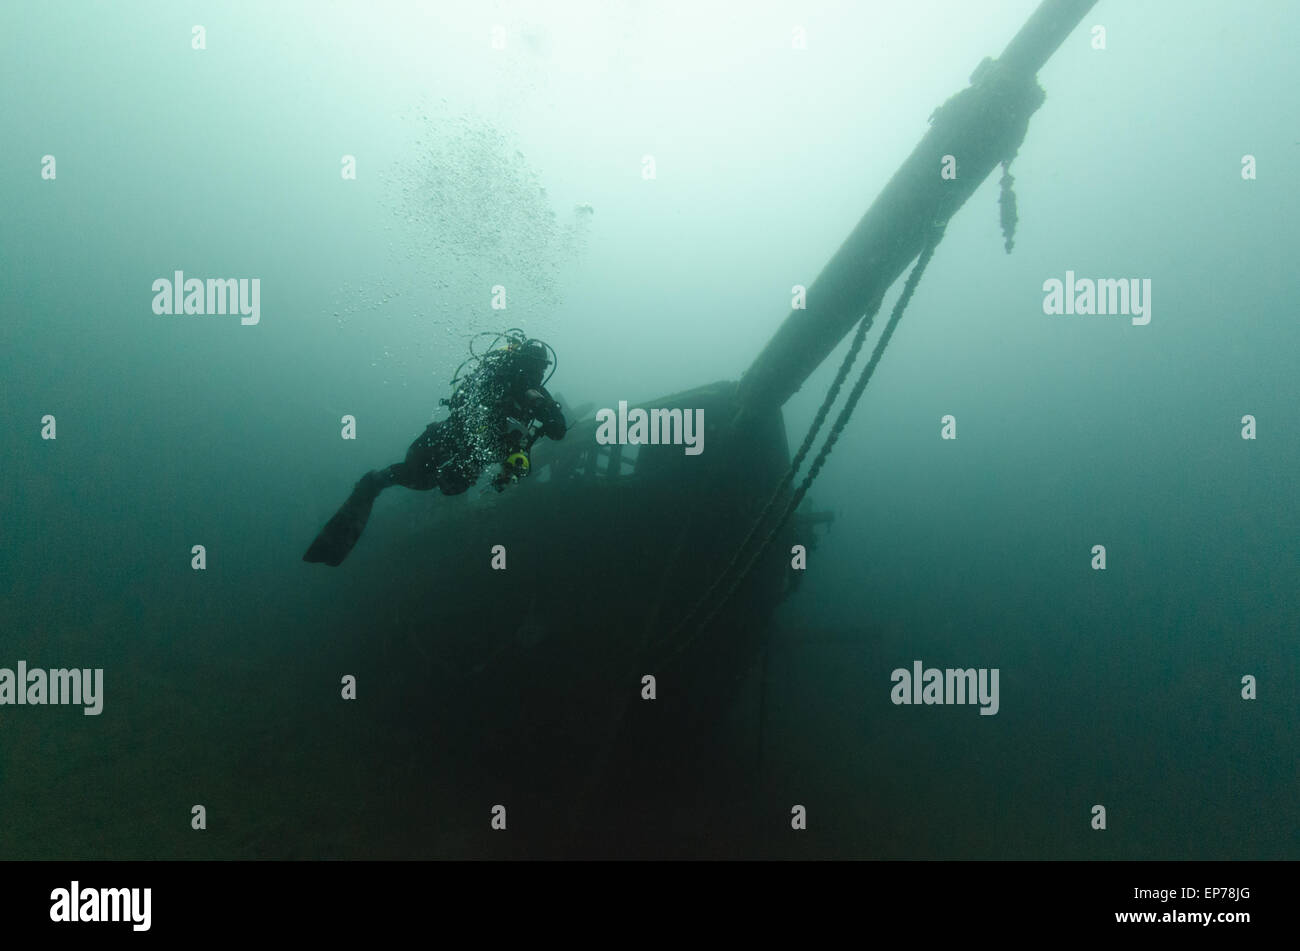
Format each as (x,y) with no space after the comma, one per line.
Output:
(546,411)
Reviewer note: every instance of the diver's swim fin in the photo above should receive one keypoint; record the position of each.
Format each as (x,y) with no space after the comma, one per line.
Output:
(340,534)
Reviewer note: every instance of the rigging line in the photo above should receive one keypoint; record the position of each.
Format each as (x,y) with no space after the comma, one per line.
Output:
(841,420)
(864,326)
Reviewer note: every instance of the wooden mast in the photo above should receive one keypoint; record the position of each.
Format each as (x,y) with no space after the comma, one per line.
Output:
(980,126)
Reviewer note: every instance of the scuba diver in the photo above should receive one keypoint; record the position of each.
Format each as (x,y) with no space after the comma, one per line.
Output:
(496,412)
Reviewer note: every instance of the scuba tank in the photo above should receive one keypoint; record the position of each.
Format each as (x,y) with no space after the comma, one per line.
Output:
(485,384)
(497,358)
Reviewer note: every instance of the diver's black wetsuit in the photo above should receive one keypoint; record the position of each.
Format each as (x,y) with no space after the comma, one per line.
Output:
(451,453)
(491,416)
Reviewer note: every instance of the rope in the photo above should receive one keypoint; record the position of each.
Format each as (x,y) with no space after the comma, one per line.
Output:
(831,395)
(840,421)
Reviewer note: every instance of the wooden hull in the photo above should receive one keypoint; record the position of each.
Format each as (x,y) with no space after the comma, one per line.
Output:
(534,674)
